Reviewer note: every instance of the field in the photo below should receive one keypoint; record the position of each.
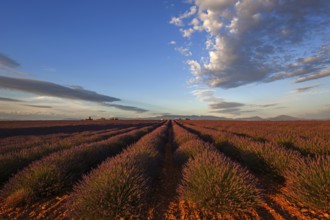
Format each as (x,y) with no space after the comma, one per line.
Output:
(181,169)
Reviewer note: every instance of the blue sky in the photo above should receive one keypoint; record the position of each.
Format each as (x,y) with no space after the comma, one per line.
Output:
(74,59)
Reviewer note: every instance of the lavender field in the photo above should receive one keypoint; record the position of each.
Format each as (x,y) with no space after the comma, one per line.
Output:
(178,169)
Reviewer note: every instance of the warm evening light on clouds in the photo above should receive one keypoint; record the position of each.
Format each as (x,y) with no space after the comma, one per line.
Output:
(141,59)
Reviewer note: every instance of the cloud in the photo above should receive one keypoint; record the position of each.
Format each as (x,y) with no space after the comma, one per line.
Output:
(8,65)
(308,68)
(9,100)
(187,32)
(306,88)
(222,106)
(77,87)
(39,106)
(126,108)
(172,42)
(205,95)
(178,21)
(195,68)
(216,104)
(267,105)
(232,111)
(252,41)
(184,51)
(7,62)
(74,92)
(16,100)
(226,105)
(313,76)
(52,89)
(19,115)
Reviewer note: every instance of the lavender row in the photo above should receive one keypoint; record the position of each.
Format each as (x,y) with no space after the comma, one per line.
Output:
(307,178)
(310,138)
(120,186)
(13,161)
(57,172)
(17,143)
(210,180)
(264,157)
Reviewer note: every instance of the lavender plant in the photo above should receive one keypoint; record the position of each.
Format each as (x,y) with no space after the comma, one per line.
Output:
(119,187)
(57,172)
(308,182)
(213,182)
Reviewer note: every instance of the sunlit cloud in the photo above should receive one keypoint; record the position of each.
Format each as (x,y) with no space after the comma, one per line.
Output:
(267,105)
(306,88)
(184,51)
(178,21)
(258,41)
(9,99)
(318,75)
(224,106)
(126,108)
(49,90)
(39,106)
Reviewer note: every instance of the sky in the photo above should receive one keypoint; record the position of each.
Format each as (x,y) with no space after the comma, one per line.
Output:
(137,59)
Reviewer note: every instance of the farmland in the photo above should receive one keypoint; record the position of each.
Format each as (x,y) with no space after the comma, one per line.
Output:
(181,169)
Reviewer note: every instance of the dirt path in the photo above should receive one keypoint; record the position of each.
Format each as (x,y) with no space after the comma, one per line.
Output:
(46,209)
(165,188)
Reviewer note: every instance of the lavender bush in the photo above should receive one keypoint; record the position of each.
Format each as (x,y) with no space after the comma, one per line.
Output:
(57,172)
(308,182)
(119,187)
(213,182)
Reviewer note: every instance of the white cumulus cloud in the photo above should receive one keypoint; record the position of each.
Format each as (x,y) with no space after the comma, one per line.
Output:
(249,41)
(178,21)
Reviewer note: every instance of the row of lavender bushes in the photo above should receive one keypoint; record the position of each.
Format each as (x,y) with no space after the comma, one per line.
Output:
(309,138)
(210,180)
(120,186)
(307,178)
(11,162)
(16,143)
(264,157)
(308,181)
(57,172)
